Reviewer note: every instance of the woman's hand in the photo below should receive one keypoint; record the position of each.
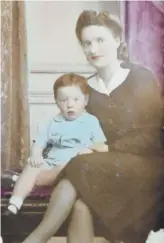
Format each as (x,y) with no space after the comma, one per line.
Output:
(86,151)
(35,161)
(99,147)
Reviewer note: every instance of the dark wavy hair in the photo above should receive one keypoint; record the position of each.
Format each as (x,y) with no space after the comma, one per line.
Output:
(104,18)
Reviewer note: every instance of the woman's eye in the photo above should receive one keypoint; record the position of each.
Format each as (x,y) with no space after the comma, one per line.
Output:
(100,40)
(76,99)
(86,44)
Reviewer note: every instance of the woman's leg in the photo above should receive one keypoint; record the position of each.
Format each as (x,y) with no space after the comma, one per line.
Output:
(62,200)
(81,228)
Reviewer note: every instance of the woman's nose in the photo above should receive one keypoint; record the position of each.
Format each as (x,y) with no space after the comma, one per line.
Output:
(93,48)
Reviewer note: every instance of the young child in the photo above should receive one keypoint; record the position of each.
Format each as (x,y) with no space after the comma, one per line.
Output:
(71,132)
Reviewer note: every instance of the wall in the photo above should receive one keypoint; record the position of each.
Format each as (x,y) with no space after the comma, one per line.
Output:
(53,50)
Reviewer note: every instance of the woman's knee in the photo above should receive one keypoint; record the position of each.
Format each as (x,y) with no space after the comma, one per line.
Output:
(80,207)
(66,185)
(67,190)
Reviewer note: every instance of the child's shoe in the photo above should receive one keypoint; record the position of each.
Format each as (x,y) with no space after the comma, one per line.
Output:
(8,179)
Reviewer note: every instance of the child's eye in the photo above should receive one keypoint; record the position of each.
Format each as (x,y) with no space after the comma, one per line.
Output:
(76,99)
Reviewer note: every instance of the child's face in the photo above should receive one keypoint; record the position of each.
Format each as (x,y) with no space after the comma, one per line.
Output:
(71,102)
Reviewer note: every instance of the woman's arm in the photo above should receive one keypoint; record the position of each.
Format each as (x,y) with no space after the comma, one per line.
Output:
(96,147)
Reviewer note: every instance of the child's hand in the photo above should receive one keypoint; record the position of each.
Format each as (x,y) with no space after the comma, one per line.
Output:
(36,161)
(85,151)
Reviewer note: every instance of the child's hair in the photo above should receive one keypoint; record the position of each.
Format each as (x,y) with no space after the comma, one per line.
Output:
(71,79)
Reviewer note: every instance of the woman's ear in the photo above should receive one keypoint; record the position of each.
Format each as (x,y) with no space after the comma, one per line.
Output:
(122,52)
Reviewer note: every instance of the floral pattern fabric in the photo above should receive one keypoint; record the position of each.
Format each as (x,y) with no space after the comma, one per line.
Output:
(144,32)
(14,90)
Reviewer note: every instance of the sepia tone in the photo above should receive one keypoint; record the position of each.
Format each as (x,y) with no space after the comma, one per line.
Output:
(27,99)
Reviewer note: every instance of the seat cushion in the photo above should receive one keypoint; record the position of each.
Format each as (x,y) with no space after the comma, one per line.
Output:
(38,192)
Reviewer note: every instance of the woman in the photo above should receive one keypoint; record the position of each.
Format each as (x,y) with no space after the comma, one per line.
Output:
(123,186)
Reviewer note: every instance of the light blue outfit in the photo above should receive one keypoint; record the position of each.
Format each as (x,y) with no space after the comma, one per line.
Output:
(68,138)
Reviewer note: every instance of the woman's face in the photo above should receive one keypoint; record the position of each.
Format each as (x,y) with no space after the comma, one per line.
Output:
(99,45)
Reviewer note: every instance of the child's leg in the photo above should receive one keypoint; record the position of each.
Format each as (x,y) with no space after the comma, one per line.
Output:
(38,176)
(23,187)
(47,177)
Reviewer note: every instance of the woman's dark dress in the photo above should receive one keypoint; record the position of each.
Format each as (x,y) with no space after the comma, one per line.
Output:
(125,187)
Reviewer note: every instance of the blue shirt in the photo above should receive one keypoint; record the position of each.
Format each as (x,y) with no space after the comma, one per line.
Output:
(68,138)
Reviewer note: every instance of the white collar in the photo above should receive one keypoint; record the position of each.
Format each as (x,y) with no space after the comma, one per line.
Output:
(81,119)
(118,78)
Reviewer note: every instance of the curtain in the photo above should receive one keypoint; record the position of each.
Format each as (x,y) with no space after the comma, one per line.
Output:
(15,141)
(144,33)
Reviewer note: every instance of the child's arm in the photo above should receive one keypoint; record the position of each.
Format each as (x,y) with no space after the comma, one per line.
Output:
(98,137)
(37,150)
(36,157)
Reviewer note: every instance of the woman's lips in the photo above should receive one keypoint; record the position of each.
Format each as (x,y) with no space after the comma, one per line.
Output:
(95,57)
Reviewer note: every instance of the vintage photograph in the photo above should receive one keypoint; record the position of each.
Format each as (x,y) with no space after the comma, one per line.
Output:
(82,121)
